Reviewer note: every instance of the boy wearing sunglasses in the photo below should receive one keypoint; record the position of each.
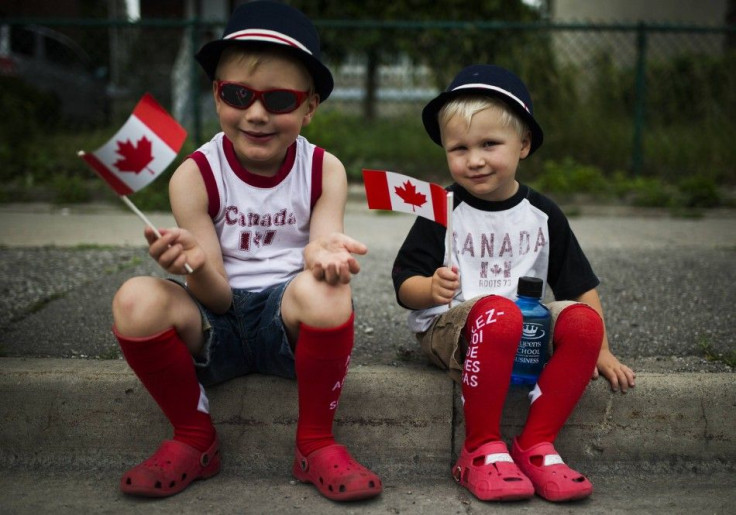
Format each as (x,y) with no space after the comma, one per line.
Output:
(260,222)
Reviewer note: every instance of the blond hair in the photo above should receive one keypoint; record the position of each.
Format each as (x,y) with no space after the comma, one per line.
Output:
(467,106)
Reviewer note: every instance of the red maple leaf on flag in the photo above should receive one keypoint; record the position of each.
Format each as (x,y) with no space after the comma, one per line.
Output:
(409,194)
(135,157)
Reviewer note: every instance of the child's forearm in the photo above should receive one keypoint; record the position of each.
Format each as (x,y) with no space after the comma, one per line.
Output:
(416,292)
(210,288)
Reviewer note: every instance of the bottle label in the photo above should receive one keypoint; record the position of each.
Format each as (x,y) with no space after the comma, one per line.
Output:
(530,348)
(531,355)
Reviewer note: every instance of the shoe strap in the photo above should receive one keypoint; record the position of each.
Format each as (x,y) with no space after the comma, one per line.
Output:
(553,459)
(499,456)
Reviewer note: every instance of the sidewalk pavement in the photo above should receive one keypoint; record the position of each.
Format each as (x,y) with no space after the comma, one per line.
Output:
(72,426)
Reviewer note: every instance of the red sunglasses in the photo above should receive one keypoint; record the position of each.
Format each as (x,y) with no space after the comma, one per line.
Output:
(276,101)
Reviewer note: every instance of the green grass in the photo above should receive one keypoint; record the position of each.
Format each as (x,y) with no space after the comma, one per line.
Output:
(110,354)
(711,354)
(40,304)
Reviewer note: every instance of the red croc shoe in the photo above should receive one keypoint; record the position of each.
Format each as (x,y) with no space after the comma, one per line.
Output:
(491,475)
(552,479)
(336,474)
(170,470)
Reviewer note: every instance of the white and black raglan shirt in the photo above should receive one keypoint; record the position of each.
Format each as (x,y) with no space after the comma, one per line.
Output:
(494,244)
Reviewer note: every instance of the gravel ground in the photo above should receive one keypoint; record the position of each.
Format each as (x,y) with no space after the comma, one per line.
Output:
(667,283)
(663,307)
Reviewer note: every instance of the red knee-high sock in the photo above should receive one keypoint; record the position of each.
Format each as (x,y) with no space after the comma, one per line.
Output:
(577,342)
(321,359)
(493,331)
(163,364)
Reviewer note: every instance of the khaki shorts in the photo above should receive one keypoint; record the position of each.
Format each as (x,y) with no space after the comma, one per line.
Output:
(445,344)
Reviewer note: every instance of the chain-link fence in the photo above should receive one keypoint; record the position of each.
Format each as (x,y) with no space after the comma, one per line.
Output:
(648,100)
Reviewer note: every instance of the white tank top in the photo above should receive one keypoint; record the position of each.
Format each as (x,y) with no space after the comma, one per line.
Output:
(262,222)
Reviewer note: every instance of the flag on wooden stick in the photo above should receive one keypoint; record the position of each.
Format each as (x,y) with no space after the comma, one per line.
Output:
(140,151)
(396,192)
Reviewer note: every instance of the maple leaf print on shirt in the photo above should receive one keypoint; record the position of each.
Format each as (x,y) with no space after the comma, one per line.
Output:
(409,195)
(136,157)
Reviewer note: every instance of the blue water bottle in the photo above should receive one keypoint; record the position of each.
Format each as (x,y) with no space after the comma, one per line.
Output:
(531,355)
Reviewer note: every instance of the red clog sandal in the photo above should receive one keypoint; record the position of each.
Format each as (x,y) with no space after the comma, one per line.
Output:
(336,474)
(552,479)
(491,475)
(170,469)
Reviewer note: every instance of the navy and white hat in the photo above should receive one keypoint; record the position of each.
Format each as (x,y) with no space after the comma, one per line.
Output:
(266,22)
(490,80)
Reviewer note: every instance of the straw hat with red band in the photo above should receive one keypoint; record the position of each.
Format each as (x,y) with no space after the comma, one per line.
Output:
(264,22)
(492,81)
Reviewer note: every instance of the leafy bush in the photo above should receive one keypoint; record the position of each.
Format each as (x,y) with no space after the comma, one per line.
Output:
(698,192)
(26,118)
(397,143)
(70,190)
(568,177)
(648,192)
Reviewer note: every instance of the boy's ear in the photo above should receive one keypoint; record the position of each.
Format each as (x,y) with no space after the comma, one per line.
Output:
(526,145)
(214,94)
(312,104)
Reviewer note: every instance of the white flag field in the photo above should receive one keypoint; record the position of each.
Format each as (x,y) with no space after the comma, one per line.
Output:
(140,151)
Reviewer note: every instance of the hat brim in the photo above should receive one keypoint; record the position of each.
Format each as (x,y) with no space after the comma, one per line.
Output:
(431,111)
(209,55)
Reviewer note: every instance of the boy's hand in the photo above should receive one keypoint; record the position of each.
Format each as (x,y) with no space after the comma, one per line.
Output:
(445,282)
(619,375)
(175,249)
(330,258)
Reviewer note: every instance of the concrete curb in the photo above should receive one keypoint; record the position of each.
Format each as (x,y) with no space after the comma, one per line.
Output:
(95,414)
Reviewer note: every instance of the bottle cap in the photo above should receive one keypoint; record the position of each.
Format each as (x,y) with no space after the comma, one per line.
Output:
(530,287)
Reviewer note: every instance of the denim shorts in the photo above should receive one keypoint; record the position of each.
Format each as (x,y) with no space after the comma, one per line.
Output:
(249,338)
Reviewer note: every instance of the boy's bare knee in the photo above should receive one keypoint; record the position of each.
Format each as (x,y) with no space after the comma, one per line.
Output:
(140,304)
(317,303)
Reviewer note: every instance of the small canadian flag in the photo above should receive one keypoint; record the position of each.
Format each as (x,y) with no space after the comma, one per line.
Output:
(140,151)
(396,192)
